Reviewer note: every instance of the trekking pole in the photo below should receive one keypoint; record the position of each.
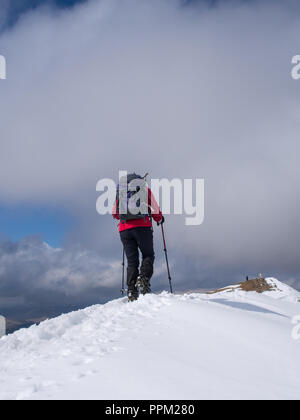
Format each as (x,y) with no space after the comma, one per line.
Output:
(123,275)
(166,254)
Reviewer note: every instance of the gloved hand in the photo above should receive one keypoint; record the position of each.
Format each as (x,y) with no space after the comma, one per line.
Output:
(161,222)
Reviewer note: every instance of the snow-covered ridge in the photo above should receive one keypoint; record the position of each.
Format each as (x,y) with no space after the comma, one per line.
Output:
(230,346)
(283,291)
(277,290)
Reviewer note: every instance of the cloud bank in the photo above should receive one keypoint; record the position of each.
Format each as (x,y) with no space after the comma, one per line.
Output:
(176,91)
(35,275)
(33,269)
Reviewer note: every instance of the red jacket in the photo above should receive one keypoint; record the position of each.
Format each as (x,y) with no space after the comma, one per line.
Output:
(130,224)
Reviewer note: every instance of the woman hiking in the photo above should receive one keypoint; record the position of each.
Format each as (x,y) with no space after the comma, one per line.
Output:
(135,207)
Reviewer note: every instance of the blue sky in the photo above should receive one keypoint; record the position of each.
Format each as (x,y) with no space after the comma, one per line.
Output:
(18,7)
(50,224)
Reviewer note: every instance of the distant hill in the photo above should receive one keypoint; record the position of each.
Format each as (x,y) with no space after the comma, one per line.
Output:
(13,325)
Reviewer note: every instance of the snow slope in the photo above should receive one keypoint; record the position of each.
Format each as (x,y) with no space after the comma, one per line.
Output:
(235,345)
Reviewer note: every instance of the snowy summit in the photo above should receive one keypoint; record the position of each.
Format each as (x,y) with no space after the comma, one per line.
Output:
(232,344)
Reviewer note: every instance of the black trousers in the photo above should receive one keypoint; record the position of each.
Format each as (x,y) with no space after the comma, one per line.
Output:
(140,238)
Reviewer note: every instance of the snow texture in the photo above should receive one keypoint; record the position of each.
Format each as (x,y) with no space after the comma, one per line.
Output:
(231,345)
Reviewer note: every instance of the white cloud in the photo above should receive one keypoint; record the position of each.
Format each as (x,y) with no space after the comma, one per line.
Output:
(179,92)
(31,269)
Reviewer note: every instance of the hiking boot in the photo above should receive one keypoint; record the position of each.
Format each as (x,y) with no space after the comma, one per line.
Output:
(143,285)
(133,295)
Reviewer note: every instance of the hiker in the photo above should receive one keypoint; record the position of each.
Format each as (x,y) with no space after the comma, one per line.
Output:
(136,232)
